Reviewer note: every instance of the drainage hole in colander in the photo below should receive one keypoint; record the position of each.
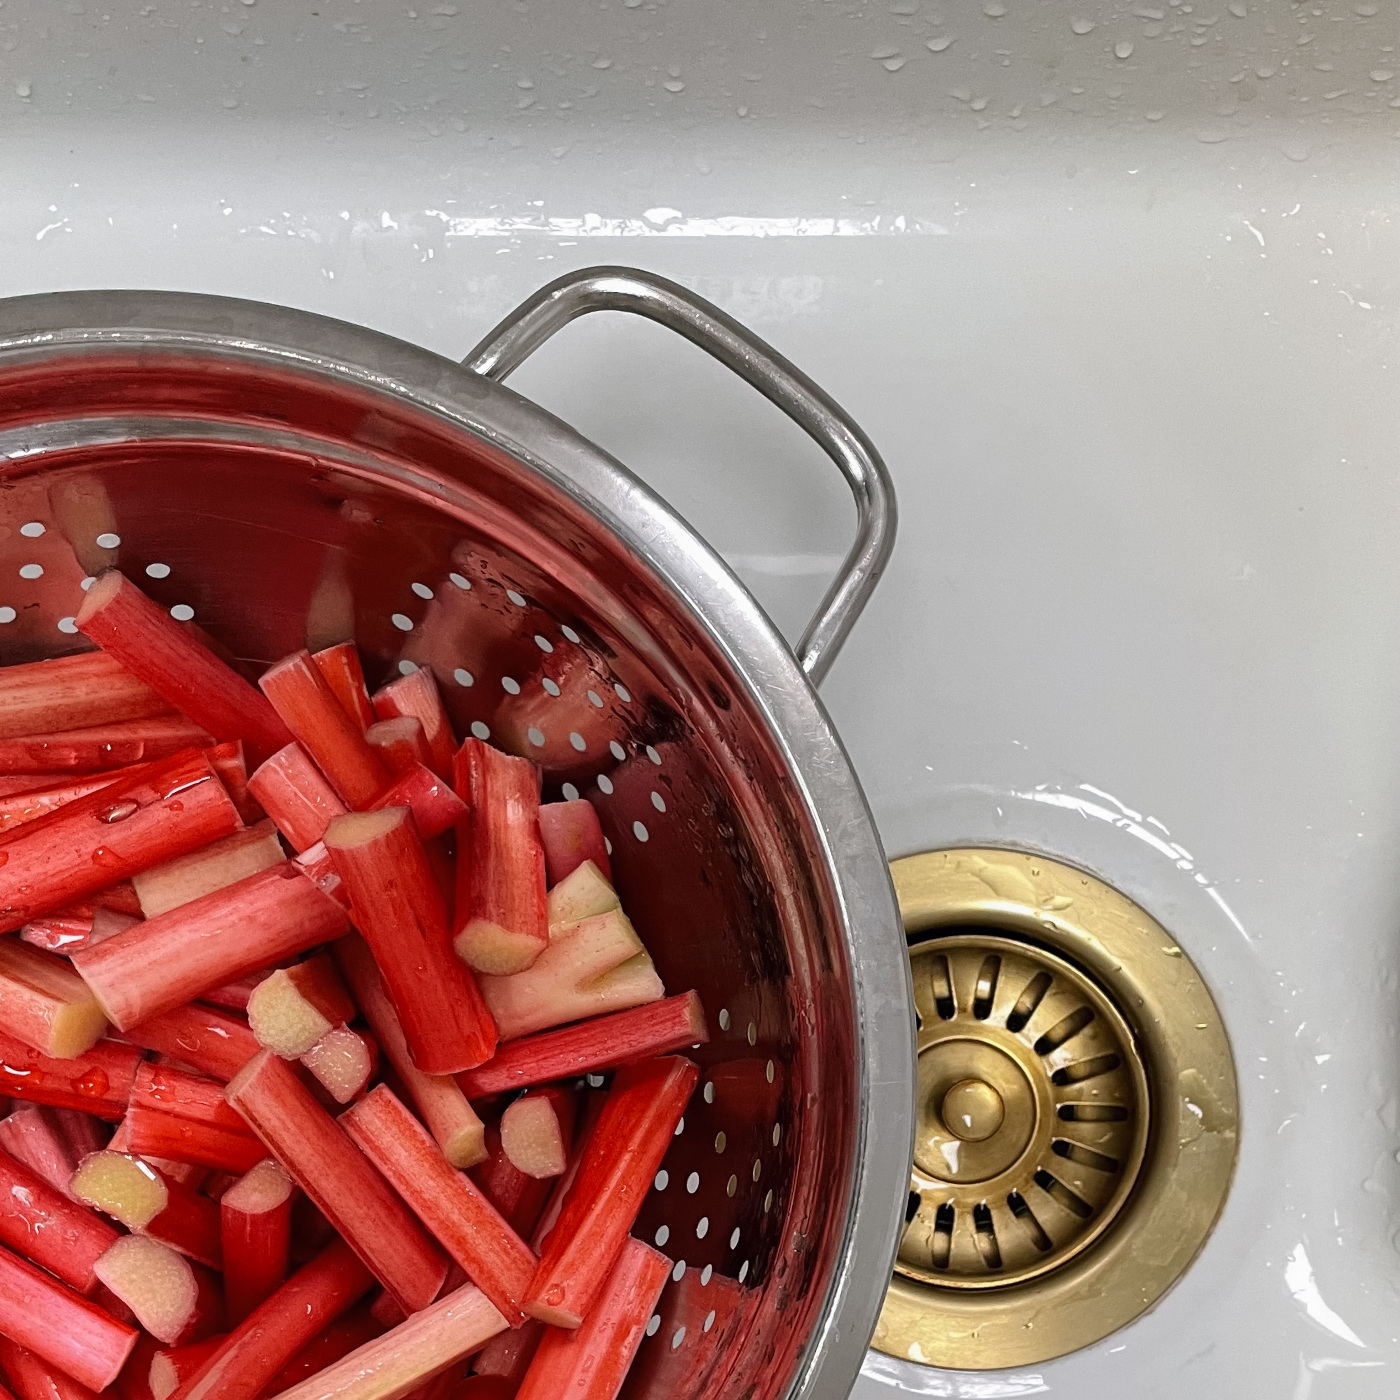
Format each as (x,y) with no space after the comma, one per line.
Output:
(422,590)
(463,677)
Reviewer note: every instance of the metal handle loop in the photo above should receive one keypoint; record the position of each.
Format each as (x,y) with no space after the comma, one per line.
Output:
(782,383)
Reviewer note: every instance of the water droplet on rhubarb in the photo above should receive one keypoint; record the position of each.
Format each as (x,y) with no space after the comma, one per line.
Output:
(118,812)
(174,806)
(108,858)
(4,856)
(554,1294)
(94,1083)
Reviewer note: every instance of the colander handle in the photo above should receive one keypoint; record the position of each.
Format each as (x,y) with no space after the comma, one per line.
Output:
(782,383)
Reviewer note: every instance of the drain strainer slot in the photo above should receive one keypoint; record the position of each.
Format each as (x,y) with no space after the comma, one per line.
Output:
(1075,1116)
(1031,1117)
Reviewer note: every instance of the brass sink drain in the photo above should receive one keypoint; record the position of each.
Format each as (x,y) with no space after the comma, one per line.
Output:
(1075,1114)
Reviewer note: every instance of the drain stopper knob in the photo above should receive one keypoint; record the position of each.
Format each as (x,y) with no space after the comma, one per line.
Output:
(972,1110)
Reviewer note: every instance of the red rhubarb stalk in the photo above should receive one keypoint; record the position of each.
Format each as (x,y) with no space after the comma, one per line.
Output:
(149,1202)
(582,894)
(350,1193)
(165,810)
(441,1103)
(340,1338)
(231,764)
(172,1365)
(206,1039)
(40,1222)
(213,867)
(336,742)
(103,746)
(397,906)
(413,1353)
(435,807)
(416,695)
(274,1332)
(186,1118)
(400,742)
(593,1104)
(621,1158)
(295,1006)
(60,932)
(591,967)
(34,1378)
(341,670)
(590,1047)
(44,1003)
(507,1356)
(257,1236)
(500,919)
(61,1326)
(48,797)
(697,1318)
(175,1301)
(570,834)
(97,1082)
(81,1131)
(591,1363)
(72,692)
(450,1204)
(33,1136)
(166,961)
(343,1062)
(153,646)
(518,1197)
(291,790)
(537,1130)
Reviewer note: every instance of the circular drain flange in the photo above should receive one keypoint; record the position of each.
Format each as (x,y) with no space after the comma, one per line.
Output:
(1075,1117)
(1031,1115)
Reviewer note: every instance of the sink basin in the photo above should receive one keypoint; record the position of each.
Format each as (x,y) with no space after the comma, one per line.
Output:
(1115,291)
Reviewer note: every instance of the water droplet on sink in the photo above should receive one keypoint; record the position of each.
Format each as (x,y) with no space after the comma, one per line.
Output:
(1123,48)
(1082,26)
(938,45)
(994,9)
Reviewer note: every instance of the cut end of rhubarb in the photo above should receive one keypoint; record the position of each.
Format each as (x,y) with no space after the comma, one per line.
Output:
(282,1019)
(361,828)
(126,1188)
(263,1188)
(51,1007)
(499,952)
(342,1061)
(109,583)
(155,1282)
(584,894)
(531,1137)
(467,1146)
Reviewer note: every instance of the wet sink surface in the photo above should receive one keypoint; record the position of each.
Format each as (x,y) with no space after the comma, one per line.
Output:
(1113,288)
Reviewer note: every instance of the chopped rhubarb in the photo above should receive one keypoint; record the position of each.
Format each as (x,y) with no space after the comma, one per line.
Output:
(400,742)
(467,1225)
(201,872)
(623,1153)
(501,926)
(39,1221)
(295,1006)
(36,1379)
(103,746)
(291,790)
(163,811)
(443,1106)
(97,1082)
(536,1131)
(175,1301)
(186,1118)
(507,1356)
(591,1046)
(570,834)
(343,1062)
(336,742)
(351,1194)
(73,692)
(256,1216)
(697,1316)
(594,1101)
(34,1136)
(274,1332)
(399,909)
(413,1353)
(61,1326)
(39,800)
(416,695)
(134,1383)
(591,967)
(231,764)
(153,646)
(61,932)
(582,894)
(166,961)
(171,1366)
(208,1040)
(591,1363)
(436,808)
(150,1203)
(81,1131)
(518,1197)
(44,1003)
(341,670)
(338,1339)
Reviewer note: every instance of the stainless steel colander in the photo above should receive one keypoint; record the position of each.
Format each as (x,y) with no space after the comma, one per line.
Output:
(285,480)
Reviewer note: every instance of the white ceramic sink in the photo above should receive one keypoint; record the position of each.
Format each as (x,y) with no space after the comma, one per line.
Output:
(1113,287)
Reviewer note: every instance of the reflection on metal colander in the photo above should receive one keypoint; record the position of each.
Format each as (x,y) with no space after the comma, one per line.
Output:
(281,481)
